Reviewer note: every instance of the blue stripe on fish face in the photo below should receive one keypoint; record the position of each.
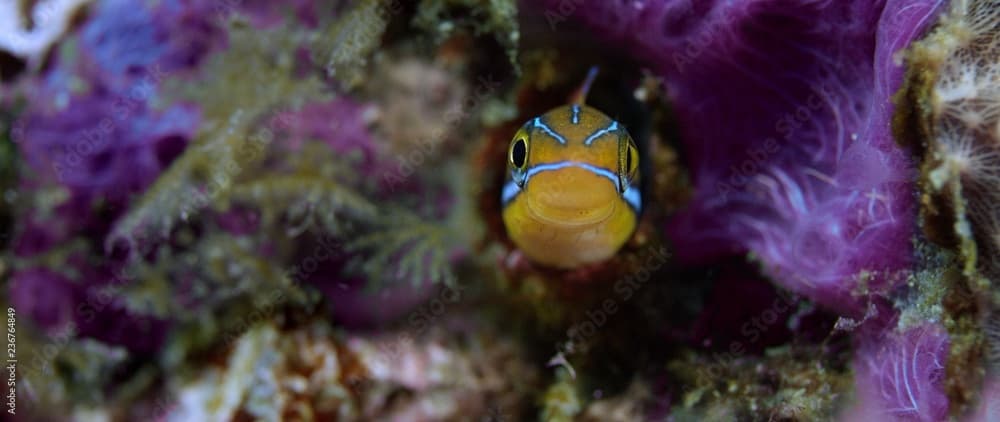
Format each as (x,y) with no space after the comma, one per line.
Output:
(538,123)
(510,191)
(631,194)
(575,117)
(564,164)
(601,132)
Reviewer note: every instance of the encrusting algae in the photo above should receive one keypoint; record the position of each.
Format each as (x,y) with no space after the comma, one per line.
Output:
(950,113)
(955,119)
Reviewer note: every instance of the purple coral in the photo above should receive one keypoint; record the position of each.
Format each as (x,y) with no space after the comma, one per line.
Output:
(91,127)
(340,123)
(55,302)
(900,375)
(45,296)
(343,125)
(95,148)
(784,109)
(129,39)
(107,140)
(355,305)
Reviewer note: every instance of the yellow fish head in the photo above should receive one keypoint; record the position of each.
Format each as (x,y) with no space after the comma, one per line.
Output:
(571,196)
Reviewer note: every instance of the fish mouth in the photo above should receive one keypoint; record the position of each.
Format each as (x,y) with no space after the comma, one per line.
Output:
(570,217)
(554,213)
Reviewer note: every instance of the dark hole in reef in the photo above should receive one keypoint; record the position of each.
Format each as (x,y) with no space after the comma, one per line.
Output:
(169,148)
(100,162)
(554,58)
(10,66)
(120,249)
(684,308)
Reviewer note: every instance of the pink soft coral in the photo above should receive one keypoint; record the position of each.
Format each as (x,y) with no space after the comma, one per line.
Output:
(900,376)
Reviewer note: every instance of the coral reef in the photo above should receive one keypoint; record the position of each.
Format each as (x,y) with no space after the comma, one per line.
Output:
(243,210)
(313,374)
(164,206)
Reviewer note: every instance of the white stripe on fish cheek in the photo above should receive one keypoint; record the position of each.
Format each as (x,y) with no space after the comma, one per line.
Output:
(510,191)
(633,197)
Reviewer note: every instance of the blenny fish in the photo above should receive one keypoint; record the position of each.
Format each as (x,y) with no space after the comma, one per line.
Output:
(571,195)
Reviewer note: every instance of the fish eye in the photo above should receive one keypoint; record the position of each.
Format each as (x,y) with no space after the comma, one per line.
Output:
(517,157)
(629,165)
(632,161)
(628,159)
(519,153)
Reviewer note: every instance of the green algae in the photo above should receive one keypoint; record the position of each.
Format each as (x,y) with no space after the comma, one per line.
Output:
(253,76)
(346,46)
(561,400)
(939,291)
(237,161)
(787,383)
(479,17)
